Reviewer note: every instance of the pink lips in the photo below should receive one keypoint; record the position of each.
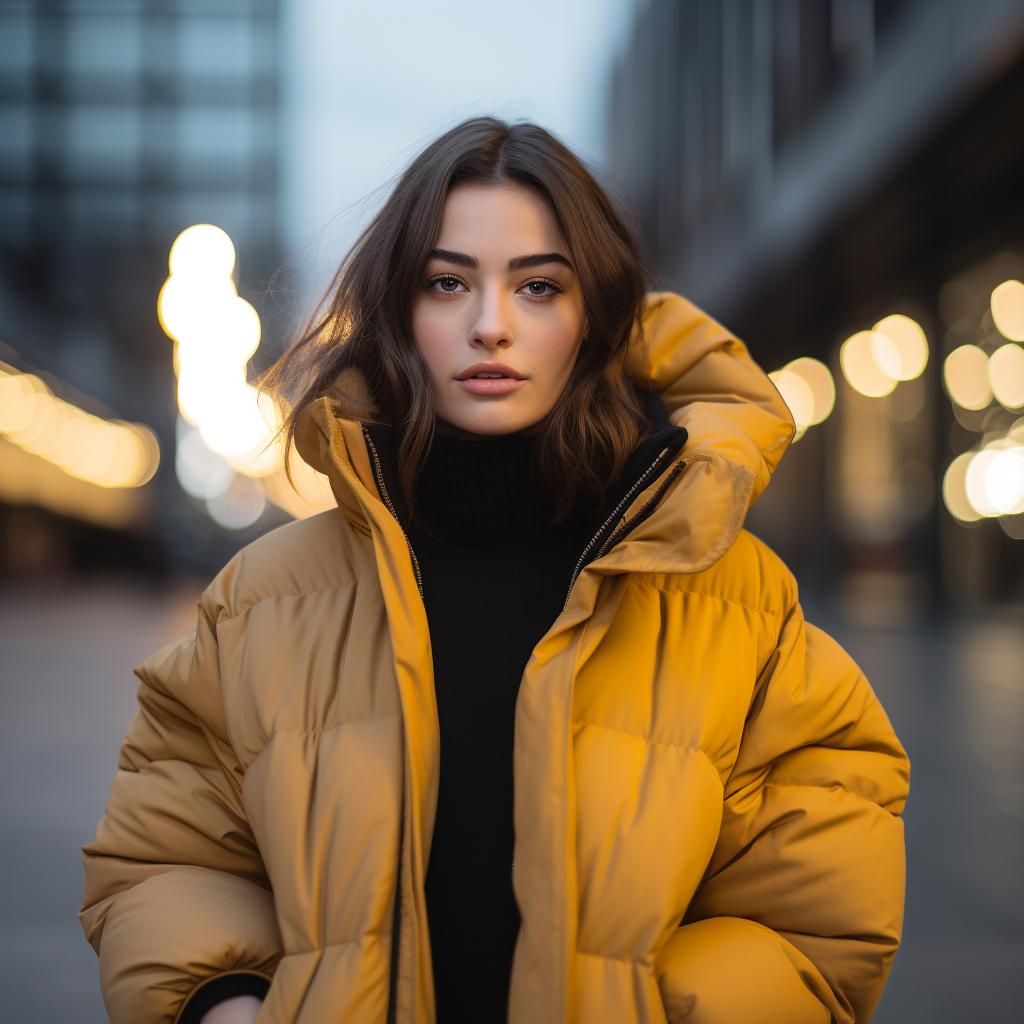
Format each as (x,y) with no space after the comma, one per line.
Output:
(490,386)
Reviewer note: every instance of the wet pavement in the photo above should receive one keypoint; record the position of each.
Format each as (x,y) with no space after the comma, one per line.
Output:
(955,694)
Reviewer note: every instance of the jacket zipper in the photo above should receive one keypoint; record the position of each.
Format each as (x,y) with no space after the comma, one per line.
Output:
(614,538)
(382,487)
(645,511)
(396,922)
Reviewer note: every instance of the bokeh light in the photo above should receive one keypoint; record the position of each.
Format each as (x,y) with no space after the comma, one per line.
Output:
(858,357)
(108,453)
(202,251)
(1006,375)
(1007,304)
(228,431)
(965,375)
(818,390)
(201,472)
(900,347)
(954,489)
(241,504)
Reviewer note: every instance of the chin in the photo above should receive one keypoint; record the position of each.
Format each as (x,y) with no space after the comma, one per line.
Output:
(485,425)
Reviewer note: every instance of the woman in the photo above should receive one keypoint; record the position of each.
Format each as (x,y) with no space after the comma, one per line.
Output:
(530,727)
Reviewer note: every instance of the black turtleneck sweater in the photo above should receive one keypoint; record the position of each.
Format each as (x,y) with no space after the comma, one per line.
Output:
(495,575)
(494,579)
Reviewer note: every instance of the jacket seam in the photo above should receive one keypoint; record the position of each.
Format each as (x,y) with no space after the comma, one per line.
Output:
(646,739)
(315,732)
(330,728)
(639,580)
(227,616)
(345,942)
(617,959)
(832,785)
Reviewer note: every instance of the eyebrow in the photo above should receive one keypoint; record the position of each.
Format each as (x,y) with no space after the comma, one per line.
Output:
(516,263)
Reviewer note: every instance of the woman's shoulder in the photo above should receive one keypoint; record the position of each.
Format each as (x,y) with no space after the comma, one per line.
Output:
(306,556)
(750,573)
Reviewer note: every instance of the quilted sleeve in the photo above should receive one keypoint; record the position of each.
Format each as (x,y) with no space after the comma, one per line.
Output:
(799,914)
(176,899)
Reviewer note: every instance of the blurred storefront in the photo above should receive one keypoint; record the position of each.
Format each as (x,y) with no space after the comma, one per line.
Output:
(840,183)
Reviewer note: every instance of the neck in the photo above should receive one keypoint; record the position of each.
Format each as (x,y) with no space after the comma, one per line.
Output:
(469,492)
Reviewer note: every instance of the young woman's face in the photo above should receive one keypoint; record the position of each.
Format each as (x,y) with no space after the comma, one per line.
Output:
(472,307)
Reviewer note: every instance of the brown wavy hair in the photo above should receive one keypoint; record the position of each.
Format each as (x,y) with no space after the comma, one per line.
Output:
(365,321)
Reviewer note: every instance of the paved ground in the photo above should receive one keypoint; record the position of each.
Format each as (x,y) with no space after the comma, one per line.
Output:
(955,695)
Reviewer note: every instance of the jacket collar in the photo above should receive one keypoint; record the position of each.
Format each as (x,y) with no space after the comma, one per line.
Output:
(735,424)
(664,440)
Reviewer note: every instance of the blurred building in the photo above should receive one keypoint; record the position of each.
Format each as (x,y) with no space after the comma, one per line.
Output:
(831,179)
(122,122)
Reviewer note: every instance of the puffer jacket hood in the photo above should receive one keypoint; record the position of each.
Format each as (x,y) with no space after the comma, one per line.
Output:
(708,794)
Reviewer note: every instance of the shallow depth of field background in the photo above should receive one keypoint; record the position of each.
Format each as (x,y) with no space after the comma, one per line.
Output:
(840,182)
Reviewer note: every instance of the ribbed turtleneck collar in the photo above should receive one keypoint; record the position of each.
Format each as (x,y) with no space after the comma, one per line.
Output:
(475,490)
(479,490)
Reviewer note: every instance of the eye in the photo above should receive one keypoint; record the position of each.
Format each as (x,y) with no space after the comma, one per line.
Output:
(446,279)
(442,277)
(548,284)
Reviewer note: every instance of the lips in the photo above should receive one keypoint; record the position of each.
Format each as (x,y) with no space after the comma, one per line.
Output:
(502,368)
(491,385)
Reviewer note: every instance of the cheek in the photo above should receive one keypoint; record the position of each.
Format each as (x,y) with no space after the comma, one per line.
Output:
(562,339)
(432,338)
(561,350)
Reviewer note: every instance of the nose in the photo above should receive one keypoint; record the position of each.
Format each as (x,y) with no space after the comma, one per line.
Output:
(493,324)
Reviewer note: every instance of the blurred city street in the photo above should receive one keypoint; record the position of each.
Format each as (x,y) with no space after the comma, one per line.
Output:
(184,189)
(68,694)
(955,695)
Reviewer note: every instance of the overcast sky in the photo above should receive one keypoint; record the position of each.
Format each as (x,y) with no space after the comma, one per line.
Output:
(367,85)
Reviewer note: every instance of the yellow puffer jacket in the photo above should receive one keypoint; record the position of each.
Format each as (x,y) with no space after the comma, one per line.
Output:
(707,791)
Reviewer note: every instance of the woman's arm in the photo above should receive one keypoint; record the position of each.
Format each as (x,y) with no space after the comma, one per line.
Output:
(176,899)
(800,912)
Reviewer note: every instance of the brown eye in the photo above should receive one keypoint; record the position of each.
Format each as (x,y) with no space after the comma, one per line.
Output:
(545,283)
(442,277)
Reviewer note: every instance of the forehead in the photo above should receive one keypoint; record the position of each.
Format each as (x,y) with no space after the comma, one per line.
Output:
(496,221)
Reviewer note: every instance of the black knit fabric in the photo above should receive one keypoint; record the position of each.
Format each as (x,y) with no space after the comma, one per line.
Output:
(220,988)
(495,575)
